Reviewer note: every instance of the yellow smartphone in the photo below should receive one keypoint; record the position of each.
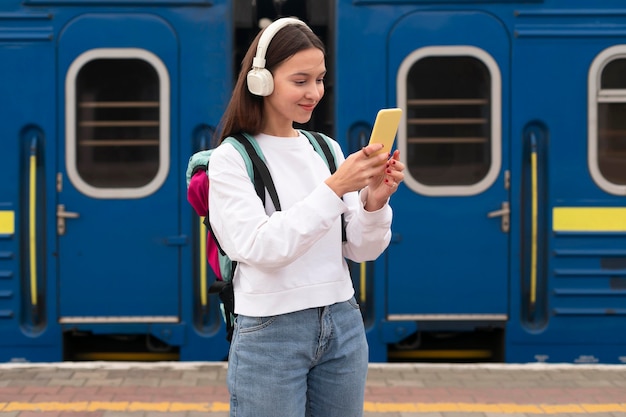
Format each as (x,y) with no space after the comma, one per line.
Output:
(385,128)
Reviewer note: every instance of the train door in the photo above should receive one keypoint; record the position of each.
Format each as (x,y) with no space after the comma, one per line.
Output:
(449,264)
(118,182)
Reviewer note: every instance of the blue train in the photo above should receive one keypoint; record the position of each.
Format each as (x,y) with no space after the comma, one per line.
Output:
(509,237)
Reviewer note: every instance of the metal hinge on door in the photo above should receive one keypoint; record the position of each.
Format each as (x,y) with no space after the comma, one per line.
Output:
(505,214)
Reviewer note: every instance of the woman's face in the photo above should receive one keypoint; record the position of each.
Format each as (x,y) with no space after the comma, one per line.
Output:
(298,87)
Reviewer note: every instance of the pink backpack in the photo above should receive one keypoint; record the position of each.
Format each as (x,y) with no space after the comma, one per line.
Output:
(198,197)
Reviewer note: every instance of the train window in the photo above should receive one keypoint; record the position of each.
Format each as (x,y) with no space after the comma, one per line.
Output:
(117,128)
(451,136)
(607,120)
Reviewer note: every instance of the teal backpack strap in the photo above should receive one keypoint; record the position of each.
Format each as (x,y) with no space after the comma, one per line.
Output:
(244,154)
(261,178)
(197,161)
(255,145)
(322,145)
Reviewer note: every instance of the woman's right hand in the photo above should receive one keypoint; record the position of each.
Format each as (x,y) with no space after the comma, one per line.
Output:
(358,170)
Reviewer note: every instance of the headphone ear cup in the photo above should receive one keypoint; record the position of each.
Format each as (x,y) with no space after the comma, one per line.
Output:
(260,82)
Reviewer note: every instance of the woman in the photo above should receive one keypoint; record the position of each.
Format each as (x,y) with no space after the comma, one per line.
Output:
(299,346)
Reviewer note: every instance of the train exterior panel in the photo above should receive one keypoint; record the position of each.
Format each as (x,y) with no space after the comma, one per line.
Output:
(509,230)
(95,224)
(512,214)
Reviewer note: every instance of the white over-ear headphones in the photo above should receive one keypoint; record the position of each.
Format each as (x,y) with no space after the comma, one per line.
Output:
(260,80)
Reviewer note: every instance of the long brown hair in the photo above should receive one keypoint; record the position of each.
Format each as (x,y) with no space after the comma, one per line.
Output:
(245,110)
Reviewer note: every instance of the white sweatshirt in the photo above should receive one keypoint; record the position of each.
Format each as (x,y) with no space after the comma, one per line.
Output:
(292,259)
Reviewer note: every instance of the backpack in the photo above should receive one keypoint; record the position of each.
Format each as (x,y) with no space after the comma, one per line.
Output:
(198,196)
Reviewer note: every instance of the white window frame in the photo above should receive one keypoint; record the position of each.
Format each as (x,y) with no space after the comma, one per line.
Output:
(164,123)
(597,95)
(496,118)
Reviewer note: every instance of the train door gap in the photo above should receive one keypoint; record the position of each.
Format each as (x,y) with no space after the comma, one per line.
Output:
(79,346)
(482,345)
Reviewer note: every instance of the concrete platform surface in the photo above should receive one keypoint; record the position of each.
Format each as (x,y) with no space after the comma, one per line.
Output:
(175,389)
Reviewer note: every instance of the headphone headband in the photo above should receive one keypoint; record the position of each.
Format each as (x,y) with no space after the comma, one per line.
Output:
(260,80)
(268,34)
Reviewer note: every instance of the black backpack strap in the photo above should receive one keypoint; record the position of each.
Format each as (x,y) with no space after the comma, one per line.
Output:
(330,159)
(262,180)
(332,166)
(262,177)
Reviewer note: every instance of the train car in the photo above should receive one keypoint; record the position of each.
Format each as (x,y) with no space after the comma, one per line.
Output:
(509,231)
(102,104)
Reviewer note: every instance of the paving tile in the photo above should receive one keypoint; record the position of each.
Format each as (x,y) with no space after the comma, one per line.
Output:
(123,414)
(40,414)
(67,382)
(51,374)
(104,382)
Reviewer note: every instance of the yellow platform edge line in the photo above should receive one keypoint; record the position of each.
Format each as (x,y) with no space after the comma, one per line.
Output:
(370,407)
(589,219)
(500,408)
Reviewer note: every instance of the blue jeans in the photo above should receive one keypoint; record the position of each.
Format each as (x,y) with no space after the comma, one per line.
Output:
(310,363)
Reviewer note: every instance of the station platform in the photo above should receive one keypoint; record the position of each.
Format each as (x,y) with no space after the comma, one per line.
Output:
(178,389)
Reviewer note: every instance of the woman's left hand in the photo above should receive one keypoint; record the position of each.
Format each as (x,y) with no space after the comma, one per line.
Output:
(382,186)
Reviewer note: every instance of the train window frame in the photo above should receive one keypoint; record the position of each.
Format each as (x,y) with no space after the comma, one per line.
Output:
(71,117)
(495,122)
(596,96)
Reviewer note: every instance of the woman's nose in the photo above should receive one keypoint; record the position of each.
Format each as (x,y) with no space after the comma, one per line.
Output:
(315,91)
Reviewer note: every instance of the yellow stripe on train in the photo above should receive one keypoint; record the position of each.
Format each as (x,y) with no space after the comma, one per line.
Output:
(7,222)
(589,219)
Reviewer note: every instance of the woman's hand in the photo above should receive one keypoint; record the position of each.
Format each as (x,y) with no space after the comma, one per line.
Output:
(369,168)
(382,186)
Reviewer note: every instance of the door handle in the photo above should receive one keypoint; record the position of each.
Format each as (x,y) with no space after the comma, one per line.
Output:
(62,215)
(505,213)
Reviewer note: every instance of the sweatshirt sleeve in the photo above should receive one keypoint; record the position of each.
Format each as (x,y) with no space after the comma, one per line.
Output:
(244,229)
(368,232)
